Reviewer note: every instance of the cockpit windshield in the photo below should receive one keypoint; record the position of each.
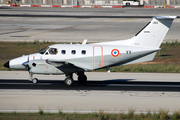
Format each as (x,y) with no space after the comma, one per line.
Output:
(43,50)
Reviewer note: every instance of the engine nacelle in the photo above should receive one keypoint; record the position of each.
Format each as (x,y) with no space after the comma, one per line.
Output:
(42,67)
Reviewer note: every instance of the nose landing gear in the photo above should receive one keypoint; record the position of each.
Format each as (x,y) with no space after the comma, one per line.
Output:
(34,80)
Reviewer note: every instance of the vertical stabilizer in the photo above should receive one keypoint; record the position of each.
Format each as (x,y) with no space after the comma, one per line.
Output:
(153,33)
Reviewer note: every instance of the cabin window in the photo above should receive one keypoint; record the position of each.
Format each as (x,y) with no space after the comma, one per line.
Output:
(83,52)
(53,51)
(63,52)
(73,52)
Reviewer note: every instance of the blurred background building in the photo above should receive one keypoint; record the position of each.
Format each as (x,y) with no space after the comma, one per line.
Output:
(95,2)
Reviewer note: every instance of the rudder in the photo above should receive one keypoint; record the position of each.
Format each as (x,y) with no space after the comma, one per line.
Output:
(154,32)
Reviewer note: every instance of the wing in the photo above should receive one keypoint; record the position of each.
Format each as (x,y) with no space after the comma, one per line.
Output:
(66,66)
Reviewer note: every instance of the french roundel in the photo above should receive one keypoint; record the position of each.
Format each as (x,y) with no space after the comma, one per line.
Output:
(115,52)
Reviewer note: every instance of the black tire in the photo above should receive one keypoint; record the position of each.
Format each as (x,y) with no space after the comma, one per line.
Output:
(127,4)
(35,80)
(69,81)
(82,79)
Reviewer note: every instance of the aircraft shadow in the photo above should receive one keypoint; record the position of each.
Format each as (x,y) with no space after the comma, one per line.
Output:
(114,84)
(165,55)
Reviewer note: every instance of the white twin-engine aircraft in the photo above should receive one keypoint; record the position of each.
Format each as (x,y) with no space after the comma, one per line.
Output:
(77,58)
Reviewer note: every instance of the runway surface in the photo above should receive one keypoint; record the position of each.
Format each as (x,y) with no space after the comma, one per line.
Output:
(76,29)
(28,24)
(106,12)
(111,92)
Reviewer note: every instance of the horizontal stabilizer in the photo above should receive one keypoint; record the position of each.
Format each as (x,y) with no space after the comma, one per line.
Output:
(149,57)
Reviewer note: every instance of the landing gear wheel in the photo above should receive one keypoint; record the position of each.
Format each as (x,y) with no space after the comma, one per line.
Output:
(128,4)
(69,81)
(82,79)
(35,80)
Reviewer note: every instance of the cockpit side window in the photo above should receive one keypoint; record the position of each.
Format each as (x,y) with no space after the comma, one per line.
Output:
(43,50)
(53,51)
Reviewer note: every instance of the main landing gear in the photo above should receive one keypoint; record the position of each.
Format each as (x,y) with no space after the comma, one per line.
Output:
(69,79)
(34,80)
(81,78)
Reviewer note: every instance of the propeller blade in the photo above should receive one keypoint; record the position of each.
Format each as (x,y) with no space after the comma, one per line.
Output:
(26,64)
(28,58)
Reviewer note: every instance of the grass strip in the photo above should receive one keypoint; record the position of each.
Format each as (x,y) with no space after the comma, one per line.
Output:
(101,115)
(150,68)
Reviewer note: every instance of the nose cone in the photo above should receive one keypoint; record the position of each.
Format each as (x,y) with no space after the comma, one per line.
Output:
(6,64)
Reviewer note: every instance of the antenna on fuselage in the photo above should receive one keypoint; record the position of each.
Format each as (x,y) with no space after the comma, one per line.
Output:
(85,41)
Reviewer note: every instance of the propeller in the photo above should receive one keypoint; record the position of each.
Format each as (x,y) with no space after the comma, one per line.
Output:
(26,64)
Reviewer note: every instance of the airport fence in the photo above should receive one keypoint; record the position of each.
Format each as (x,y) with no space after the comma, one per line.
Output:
(65,2)
(90,2)
(163,2)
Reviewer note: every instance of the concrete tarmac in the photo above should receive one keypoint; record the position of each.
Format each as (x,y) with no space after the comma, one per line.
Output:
(76,29)
(77,24)
(111,92)
(88,12)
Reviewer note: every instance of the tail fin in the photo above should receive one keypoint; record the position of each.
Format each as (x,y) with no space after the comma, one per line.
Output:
(153,33)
